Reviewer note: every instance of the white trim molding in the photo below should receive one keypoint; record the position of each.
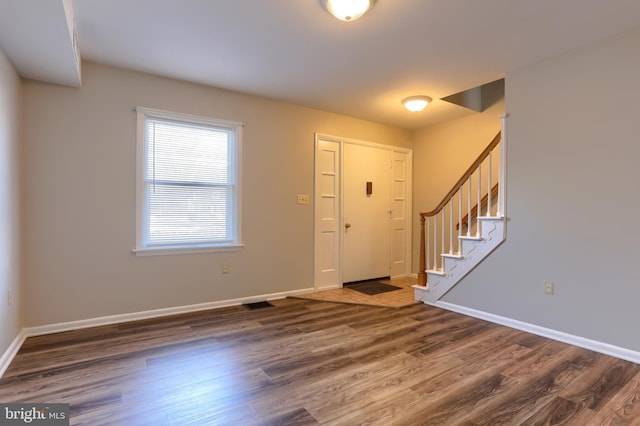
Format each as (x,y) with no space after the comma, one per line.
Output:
(13,349)
(232,185)
(596,346)
(157,313)
(582,342)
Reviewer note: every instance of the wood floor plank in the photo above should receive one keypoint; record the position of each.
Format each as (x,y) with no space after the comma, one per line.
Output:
(623,408)
(471,386)
(452,404)
(310,362)
(560,411)
(533,392)
(601,383)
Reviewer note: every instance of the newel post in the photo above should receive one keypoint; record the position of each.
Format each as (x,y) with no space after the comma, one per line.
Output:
(502,175)
(422,275)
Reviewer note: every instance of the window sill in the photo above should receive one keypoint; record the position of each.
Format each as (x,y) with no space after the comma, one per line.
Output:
(162,251)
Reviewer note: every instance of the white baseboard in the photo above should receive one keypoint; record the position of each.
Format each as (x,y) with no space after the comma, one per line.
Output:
(156,313)
(581,342)
(11,352)
(330,287)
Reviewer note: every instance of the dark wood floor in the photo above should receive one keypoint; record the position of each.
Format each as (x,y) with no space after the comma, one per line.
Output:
(312,362)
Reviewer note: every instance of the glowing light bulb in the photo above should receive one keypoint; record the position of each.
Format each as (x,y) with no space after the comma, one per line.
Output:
(416,103)
(348,10)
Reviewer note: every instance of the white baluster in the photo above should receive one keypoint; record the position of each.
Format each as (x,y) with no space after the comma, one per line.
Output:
(435,242)
(502,176)
(488,213)
(442,251)
(469,208)
(479,198)
(451,226)
(459,217)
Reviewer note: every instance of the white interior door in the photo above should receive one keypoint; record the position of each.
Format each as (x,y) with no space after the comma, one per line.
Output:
(366,214)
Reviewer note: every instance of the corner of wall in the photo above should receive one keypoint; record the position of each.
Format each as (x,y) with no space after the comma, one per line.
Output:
(11,277)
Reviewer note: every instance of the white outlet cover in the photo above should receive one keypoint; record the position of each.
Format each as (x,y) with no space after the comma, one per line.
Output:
(549,287)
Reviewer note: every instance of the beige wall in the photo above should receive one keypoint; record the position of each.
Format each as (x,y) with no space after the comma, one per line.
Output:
(442,153)
(573,197)
(80,197)
(10,260)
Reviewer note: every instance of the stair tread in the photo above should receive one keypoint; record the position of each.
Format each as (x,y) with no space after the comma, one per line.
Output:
(436,272)
(490,217)
(452,256)
(470,238)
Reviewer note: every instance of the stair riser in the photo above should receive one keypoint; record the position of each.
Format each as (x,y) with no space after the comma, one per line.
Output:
(455,269)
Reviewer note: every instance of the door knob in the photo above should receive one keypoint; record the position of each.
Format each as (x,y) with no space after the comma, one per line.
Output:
(347,225)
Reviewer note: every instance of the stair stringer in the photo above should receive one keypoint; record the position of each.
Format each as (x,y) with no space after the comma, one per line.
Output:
(474,250)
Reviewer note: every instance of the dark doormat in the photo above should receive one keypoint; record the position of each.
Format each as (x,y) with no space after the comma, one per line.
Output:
(258,305)
(373,287)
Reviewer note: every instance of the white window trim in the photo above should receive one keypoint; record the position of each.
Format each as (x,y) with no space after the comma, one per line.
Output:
(233,245)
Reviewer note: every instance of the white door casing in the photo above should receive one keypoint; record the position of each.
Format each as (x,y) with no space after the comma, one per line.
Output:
(329,231)
(401,190)
(327,215)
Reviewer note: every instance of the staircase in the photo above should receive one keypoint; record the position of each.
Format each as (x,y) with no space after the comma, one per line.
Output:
(451,244)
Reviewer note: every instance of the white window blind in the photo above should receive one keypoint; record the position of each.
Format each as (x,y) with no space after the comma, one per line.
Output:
(189,195)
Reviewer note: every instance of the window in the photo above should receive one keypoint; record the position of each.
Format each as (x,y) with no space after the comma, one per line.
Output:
(188,189)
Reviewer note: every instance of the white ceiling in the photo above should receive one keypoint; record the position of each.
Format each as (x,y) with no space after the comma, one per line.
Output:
(294,51)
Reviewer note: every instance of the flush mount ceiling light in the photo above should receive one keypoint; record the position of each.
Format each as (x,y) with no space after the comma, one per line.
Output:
(416,103)
(347,10)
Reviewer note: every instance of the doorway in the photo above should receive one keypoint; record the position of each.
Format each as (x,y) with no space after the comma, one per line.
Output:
(362,205)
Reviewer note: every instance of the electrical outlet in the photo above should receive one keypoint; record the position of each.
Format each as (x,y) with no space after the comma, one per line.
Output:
(9,297)
(225,268)
(549,287)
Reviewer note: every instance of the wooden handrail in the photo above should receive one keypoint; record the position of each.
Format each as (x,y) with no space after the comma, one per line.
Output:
(474,210)
(483,155)
(422,276)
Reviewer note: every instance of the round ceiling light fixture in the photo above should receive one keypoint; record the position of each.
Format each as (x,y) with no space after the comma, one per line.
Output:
(416,103)
(347,10)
